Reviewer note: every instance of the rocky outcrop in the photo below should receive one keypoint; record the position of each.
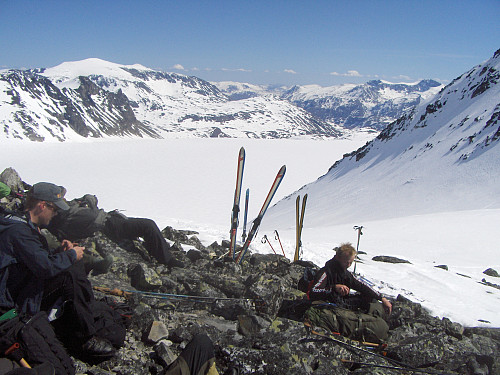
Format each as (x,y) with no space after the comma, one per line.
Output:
(240,309)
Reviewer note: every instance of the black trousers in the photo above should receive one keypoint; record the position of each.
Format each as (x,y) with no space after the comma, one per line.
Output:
(75,289)
(195,359)
(118,227)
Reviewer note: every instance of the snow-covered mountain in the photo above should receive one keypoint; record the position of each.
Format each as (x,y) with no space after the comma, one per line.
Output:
(96,98)
(442,156)
(374,104)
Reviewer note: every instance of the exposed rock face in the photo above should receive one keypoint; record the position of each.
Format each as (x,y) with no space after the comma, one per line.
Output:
(243,321)
(88,111)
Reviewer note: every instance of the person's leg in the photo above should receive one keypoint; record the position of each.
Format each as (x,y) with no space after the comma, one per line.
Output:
(154,242)
(195,359)
(72,285)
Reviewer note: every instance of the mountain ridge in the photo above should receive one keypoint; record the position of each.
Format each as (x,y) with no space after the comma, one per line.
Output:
(371,105)
(94,98)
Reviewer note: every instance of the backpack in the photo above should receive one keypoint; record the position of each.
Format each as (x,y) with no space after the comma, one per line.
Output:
(352,324)
(307,279)
(34,340)
(82,219)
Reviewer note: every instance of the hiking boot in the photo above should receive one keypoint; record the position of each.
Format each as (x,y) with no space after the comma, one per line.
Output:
(97,347)
(102,266)
(138,278)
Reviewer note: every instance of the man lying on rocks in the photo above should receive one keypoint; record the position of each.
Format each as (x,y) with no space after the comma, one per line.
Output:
(84,218)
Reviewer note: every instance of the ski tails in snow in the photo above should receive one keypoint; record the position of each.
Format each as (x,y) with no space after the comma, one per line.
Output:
(236,206)
(258,219)
(299,220)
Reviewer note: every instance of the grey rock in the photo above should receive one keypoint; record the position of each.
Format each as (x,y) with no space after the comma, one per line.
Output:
(389,259)
(491,272)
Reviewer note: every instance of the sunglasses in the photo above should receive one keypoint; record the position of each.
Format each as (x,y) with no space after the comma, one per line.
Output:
(51,206)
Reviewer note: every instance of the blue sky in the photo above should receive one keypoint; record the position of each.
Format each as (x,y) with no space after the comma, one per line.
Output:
(263,42)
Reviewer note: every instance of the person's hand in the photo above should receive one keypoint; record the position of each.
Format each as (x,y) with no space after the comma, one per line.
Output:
(67,245)
(79,252)
(341,289)
(387,305)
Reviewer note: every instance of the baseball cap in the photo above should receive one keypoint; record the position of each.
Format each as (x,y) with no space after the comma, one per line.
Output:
(46,191)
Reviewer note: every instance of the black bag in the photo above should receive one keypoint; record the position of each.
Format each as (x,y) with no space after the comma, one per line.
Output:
(306,280)
(109,323)
(33,339)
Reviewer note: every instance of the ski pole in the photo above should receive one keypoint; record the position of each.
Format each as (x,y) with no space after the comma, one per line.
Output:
(367,364)
(265,239)
(360,233)
(277,236)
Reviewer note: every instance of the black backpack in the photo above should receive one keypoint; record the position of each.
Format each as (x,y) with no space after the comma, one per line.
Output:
(34,340)
(305,282)
(80,221)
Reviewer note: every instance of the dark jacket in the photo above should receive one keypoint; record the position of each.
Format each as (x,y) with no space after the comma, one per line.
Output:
(25,262)
(323,287)
(82,219)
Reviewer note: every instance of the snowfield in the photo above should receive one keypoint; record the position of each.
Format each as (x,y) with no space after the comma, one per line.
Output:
(189,184)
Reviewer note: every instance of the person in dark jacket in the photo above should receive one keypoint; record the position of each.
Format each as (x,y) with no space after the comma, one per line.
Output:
(33,277)
(84,218)
(333,283)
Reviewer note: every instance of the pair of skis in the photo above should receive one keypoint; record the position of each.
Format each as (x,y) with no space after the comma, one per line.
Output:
(299,221)
(236,209)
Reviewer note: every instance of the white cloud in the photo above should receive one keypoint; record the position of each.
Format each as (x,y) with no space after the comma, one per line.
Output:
(290,71)
(178,67)
(350,73)
(195,69)
(235,70)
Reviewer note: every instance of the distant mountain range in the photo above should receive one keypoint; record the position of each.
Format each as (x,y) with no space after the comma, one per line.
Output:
(96,98)
(93,98)
(373,105)
(443,155)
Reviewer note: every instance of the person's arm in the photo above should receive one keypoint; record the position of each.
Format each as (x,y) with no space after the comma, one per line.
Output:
(320,289)
(387,305)
(368,291)
(30,251)
(363,288)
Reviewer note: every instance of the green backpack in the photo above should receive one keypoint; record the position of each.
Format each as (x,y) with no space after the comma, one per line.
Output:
(4,190)
(352,324)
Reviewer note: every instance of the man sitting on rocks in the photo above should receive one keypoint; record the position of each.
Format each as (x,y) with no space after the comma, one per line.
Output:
(33,277)
(333,284)
(84,218)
